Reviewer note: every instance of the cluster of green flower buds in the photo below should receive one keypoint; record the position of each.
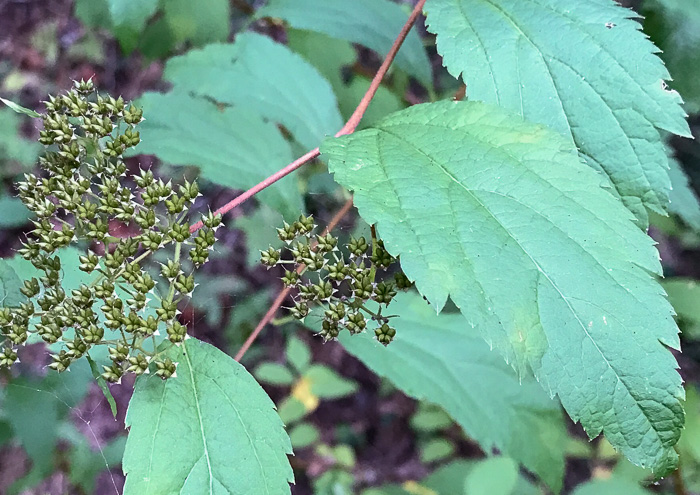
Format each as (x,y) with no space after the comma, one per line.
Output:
(83,196)
(321,275)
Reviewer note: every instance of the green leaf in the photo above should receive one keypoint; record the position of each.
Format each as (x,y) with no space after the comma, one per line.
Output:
(303,435)
(34,416)
(291,410)
(684,201)
(447,480)
(327,384)
(444,360)
(612,486)
(674,26)
(94,13)
(10,284)
(12,145)
(500,215)
(430,418)
(259,238)
(689,444)
(211,429)
(129,19)
(384,102)
(298,354)
(274,374)
(14,213)
(102,383)
(265,77)
(329,55)
(373,23)
(582,68)
(201,22)
(20,109)
(684,294)
(436,449)
(86,464)
(34,409)
(496,476)
(232,146)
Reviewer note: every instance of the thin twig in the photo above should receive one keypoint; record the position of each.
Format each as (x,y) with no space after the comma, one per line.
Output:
(285,292)
(679,483)
(348,128)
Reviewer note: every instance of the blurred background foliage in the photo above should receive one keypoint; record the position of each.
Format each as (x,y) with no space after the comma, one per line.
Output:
(233,113)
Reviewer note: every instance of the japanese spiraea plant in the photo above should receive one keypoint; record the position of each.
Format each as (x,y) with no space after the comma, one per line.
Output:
(345,287)
(81,198)
(526,205)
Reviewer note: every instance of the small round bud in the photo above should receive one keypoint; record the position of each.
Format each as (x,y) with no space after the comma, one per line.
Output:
(8,356)
(177,332)
(270,257)
(138,364)
(290,278)
(358,247)
(385,334)
(165,369)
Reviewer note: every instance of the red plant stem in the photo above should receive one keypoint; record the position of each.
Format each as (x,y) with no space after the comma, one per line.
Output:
(284,293)
(348,128)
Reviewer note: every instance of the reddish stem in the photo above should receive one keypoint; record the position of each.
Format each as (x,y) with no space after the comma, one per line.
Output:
(348,128)
(284,293)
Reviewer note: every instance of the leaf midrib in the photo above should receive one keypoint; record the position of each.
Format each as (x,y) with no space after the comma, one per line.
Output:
(199,418)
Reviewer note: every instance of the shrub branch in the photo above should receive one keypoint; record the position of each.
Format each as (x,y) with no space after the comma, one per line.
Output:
(348,128)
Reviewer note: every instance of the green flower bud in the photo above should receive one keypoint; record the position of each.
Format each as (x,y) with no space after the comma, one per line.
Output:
(179,232)
(358,247)
(165,369)
(362,288)
(113,373)
(77,348)
(326,243)
(60,362)
(402,281)
(290,278)
(167,310)
(324,290)
(385,334)
(305,225)
(104,290)
(185,284)
(300,310)
(212,221)
(356,322)
(315,262)
(335,312)
(339,271)
(329,330)
(7,357)
(384,292)
(170,270)
(270,257)
(138,364)
(288,233)
(176,332)
(119,353)
(31,288)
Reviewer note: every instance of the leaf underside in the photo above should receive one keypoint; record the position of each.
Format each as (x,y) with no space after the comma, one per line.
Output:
(211,429)
(264,77)
(232,147)
(501,216)
(582,68)
(373,23)
(441,359)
